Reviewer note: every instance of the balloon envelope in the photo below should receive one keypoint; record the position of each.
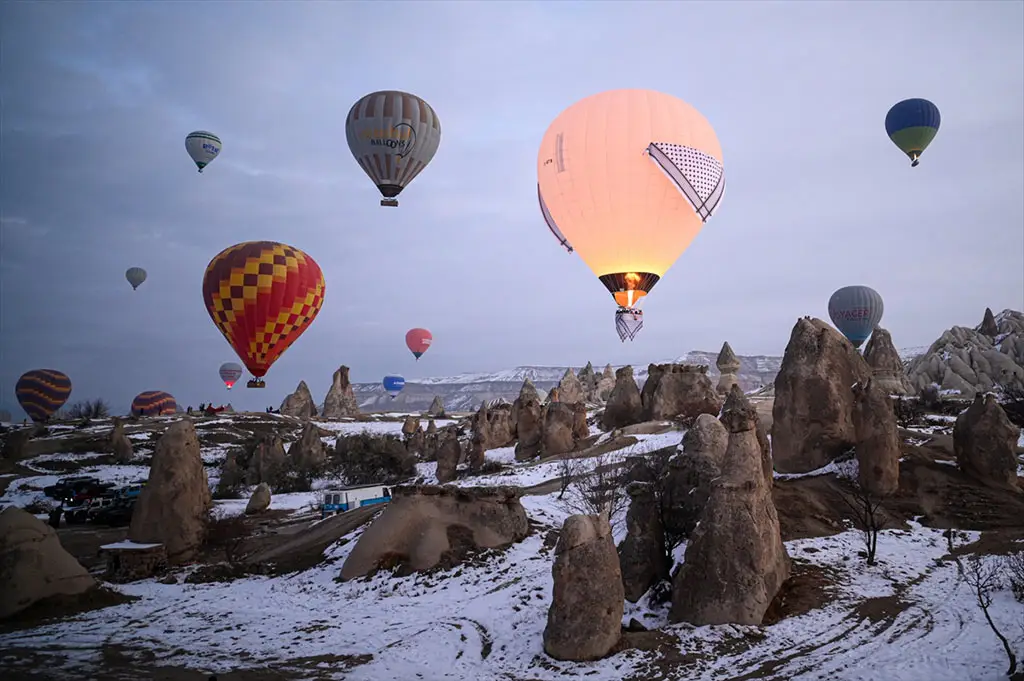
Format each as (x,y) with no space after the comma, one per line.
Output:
(41,392)
(912,125)
(202,147)
(418,341)
(856,311)
(154,403)
(393,385)
(230,372)
(135,276)
(262,295)
(628,178)
(392,135)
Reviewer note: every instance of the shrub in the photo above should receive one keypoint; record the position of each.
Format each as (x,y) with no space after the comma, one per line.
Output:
(88,409)
(1013,405)
(908,411)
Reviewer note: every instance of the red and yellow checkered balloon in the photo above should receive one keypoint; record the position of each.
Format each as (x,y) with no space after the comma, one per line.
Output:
(262,295)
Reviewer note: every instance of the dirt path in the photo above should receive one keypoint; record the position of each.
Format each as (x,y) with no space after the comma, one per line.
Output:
(310,543)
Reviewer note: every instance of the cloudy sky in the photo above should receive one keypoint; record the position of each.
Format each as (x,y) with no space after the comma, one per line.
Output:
(97,99)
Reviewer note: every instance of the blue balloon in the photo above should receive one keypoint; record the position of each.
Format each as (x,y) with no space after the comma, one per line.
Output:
(912,125)
(856,311)
(393,385)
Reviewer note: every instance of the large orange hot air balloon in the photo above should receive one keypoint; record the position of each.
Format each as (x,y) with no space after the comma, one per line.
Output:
(626,179)
(262,295)
(418,341)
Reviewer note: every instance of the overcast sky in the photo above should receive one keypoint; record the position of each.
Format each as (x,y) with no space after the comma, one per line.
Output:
(98,97)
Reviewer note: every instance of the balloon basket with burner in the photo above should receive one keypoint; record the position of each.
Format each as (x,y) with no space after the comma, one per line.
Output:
(256,383)
(389,202)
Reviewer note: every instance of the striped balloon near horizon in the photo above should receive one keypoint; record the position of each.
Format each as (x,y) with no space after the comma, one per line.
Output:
(856,311)
(154,403)
(41,392)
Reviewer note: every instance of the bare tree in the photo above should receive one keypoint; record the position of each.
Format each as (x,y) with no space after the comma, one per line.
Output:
(868,516)
(1015,574)
(88,409)
(984,578)
(568,467)
(596,485)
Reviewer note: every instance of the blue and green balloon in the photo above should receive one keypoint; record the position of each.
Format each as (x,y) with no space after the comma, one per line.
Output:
(912,125)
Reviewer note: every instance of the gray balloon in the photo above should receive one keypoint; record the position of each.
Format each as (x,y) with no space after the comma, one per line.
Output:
(135,276)
(856,311)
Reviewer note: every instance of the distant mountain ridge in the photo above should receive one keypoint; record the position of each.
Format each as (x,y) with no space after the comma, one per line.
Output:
(465,392)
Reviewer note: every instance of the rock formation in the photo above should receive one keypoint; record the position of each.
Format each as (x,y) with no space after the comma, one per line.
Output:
(172,507)
(341,400)
(588,381)
(877,436)
(678,390)
(692,472)
(642,558)
(425,525)
(449,451)
(570,388)
(33,564)
(885,363)
(728,364)
(562,428)
(605,384)
(585,617)
(969,361)
(120,445)
(812,418)
(300,403)
(266,460)
(436,409)
(985,443)
(735,561)
(624,406)
(410,426)
(988,324)
(259,501)
(528,420)
(306,459)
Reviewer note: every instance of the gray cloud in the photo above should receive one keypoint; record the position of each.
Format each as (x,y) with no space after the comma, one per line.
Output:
(97,99)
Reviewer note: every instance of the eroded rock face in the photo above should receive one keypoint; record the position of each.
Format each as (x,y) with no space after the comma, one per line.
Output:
(985,443)
(988,324)
(33,564)
(436,410)
(341,399)
(585,617)
(878,440)
(173,506)
(267,460)
(642,557)
(728,364)
(119,443)
(528,418)
(419,523)
(449,451)
(692,473)
(300,403)
(885,363)
(306,459)
(812,418)
(560,428)
(259,501)
(678,390)
(605,384)
(971,361)
(624,406)
(735,560)
(570,389)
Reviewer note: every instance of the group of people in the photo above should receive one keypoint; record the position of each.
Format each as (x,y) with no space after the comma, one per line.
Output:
(206,409)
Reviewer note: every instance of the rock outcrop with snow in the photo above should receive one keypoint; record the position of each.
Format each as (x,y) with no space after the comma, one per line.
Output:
(975,360)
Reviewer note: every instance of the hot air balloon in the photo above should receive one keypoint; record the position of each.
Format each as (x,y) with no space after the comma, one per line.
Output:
(626,179)
(418,341)
(230,372)
(135,276)
(856,311)
(393,135)
(41,392)
(912,124)
(393,385)
(203,147)
(262,295)
(154,403)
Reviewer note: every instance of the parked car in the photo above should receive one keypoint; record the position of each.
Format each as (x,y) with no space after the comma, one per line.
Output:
(117,514)
(67,486)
